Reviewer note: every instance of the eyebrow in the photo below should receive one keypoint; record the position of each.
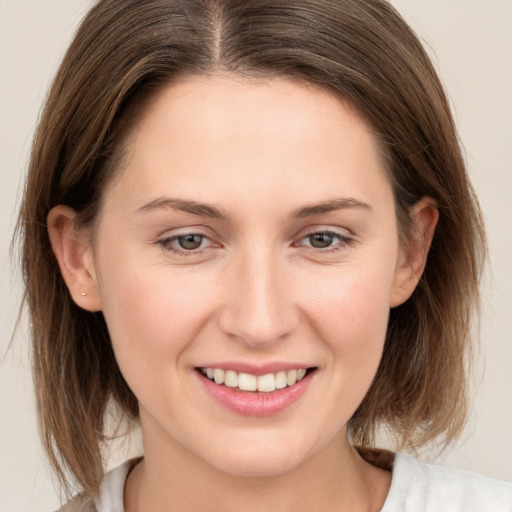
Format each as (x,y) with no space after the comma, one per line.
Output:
(331,205)
(209,210)
(187,206)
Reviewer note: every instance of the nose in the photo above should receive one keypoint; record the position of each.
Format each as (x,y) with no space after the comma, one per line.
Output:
(259,307)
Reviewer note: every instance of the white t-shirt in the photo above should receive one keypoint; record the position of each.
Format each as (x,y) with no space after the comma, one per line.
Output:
(415,487)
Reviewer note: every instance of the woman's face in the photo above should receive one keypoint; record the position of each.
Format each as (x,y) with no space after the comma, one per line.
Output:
(251,230)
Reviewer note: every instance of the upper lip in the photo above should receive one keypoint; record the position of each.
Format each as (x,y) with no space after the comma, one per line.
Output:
(256,369)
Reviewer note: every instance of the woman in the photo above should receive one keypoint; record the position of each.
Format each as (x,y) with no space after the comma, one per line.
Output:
(226,227)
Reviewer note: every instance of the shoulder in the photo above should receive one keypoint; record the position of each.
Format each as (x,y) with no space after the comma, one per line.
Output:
(423,487)
(110,494)
(80,503)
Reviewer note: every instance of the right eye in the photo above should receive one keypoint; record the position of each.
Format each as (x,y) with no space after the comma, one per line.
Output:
(186,244)
(190,242)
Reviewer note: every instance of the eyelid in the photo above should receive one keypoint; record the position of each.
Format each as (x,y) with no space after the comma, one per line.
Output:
(343,233)
(166,240)
(344,239)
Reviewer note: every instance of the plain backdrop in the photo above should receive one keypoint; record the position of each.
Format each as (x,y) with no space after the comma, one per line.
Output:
(471,43)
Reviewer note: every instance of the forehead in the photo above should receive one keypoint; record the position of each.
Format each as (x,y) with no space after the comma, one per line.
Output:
(222,106)
(206,133)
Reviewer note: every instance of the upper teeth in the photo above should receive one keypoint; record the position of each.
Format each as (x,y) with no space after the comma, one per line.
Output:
(248,382)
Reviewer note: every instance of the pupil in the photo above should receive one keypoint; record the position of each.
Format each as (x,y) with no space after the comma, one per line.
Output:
(321,240)
(190,241)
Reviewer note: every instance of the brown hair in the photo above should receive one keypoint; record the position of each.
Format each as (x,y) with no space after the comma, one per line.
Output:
(360,49)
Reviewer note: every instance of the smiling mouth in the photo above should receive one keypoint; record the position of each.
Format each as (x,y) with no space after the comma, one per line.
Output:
(256,383)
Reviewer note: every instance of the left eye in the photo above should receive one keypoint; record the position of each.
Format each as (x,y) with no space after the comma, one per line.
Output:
(325,240)
(321,240)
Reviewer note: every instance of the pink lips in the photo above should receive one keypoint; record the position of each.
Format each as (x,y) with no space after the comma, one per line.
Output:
(249,403)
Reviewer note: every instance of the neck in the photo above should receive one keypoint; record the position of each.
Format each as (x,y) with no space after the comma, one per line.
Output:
(335,478)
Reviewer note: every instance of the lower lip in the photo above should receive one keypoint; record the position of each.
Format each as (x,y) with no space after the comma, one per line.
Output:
(249,403)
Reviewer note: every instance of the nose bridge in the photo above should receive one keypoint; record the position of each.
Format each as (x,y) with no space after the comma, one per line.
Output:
(259,310)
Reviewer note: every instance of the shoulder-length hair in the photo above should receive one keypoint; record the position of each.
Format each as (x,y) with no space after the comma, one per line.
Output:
(363,51)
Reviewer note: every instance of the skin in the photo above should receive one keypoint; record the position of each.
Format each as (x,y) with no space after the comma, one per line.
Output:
(255,291)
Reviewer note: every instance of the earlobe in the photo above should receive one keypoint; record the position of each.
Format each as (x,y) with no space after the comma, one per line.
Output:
(75,257)
(412,259)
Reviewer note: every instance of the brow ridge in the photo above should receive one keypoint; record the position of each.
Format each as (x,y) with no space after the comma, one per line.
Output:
(208,210)
(330,206)
(185,205)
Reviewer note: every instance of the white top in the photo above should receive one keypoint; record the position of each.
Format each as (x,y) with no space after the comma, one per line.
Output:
(418,487)
(415,487)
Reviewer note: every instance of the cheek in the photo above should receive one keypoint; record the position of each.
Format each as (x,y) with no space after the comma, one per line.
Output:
(350,313)
(152,314)
(353,298)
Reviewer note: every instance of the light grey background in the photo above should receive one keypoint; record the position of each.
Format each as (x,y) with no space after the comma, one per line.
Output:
(472,44)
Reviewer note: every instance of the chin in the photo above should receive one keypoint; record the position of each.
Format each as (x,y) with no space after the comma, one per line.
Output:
(257,459)
(259,466)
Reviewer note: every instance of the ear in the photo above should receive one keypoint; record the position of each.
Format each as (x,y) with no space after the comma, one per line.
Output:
(413,258)
(75,257)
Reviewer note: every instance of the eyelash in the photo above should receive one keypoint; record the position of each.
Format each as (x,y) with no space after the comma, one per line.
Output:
(167,244)
(343,242)
(342,239)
